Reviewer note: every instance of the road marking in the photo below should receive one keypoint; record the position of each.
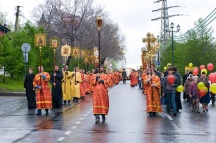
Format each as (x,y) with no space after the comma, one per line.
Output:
(60,139)
(85,115)
(113,89)
(68,132)
(82,119)
(78,122)
(88,112)
(73,127)
(168,116)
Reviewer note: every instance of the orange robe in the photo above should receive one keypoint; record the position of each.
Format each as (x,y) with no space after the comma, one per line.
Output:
(136,74)
(153,94)
(133,79)
(106,80)
(110,80)
(116,79)
(82,89)
(92,81)
(144,86)
(100,99)
(43,96)
(87,83)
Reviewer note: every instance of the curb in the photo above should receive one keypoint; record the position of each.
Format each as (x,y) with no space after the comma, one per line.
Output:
(12,94)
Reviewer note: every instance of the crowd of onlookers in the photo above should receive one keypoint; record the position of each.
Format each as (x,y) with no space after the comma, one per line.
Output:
(169,94)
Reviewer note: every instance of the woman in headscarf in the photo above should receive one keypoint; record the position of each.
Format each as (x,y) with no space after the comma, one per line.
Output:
(204,100)
(194,94)
(187,87)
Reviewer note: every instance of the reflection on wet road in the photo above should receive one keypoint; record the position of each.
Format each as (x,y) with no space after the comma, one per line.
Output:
(127,122)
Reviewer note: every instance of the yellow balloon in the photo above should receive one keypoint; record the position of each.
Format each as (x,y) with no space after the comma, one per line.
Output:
(169,64)
(190,65)
(200,85)
(165,68)
(180,88)
(206,89)
(213,88)
(204,70)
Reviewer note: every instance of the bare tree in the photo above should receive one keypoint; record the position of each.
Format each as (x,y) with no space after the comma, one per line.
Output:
(73,21)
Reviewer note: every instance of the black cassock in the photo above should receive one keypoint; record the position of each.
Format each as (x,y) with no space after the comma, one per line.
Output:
(57,90)
(30,92)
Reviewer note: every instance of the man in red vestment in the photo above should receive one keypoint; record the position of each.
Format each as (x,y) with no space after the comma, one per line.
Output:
(100,100)
(82,88)
(133,78)
(43,93)
(153,84)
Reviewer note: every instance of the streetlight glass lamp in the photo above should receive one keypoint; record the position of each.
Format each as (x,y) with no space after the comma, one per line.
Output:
(178,27)
(172,25)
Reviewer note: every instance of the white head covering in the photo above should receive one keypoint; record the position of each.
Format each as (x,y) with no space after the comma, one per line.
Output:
(189,76)
(195,77)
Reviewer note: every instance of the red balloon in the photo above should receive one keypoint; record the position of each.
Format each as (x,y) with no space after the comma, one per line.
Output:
(195,72)
(202,67)
(210,66)
(212,77)
(202,92)
(171,79)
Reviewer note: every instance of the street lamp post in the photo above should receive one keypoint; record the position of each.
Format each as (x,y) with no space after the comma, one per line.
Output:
(158,51)
(99,24)
(168,30)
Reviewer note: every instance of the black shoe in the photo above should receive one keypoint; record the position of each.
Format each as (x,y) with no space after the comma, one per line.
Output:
(103,118)
(206,110)
(47,111)
(97,120)
(174,114)
(64,102)
(154,113)
(151,114)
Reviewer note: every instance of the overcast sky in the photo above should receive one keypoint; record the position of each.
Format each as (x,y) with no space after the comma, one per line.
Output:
(133,17)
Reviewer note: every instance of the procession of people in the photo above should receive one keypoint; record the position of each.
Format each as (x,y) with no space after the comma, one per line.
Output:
(67,86)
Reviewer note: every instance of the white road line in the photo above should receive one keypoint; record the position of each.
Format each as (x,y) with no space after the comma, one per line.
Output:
(85,115)
(78,122)
(113,89)
(73,127)
(60,139)
(168,116)
(88,112)
(68,132)
(82,119)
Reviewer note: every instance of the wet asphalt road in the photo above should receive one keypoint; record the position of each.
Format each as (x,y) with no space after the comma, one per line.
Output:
(127,122)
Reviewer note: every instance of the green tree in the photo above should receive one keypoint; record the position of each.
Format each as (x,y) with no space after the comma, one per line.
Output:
(198,48)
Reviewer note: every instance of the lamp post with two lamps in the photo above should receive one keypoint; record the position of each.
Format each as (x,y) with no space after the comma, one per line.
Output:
(167,29)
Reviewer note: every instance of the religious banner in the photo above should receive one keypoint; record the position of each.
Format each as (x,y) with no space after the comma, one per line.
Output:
(75,52)
(39,40)
(82,53)
(96,61)
(66,50)
(86,60)
(54,43)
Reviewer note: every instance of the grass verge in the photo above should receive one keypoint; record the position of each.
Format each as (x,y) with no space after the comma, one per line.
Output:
(11,84)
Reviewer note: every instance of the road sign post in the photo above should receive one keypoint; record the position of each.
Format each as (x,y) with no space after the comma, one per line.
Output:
(25,48)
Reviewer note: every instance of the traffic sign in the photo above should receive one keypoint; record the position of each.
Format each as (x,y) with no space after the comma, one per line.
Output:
(25,47)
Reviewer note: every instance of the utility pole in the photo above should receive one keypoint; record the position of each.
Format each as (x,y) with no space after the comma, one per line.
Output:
(17,18)
(164,36)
